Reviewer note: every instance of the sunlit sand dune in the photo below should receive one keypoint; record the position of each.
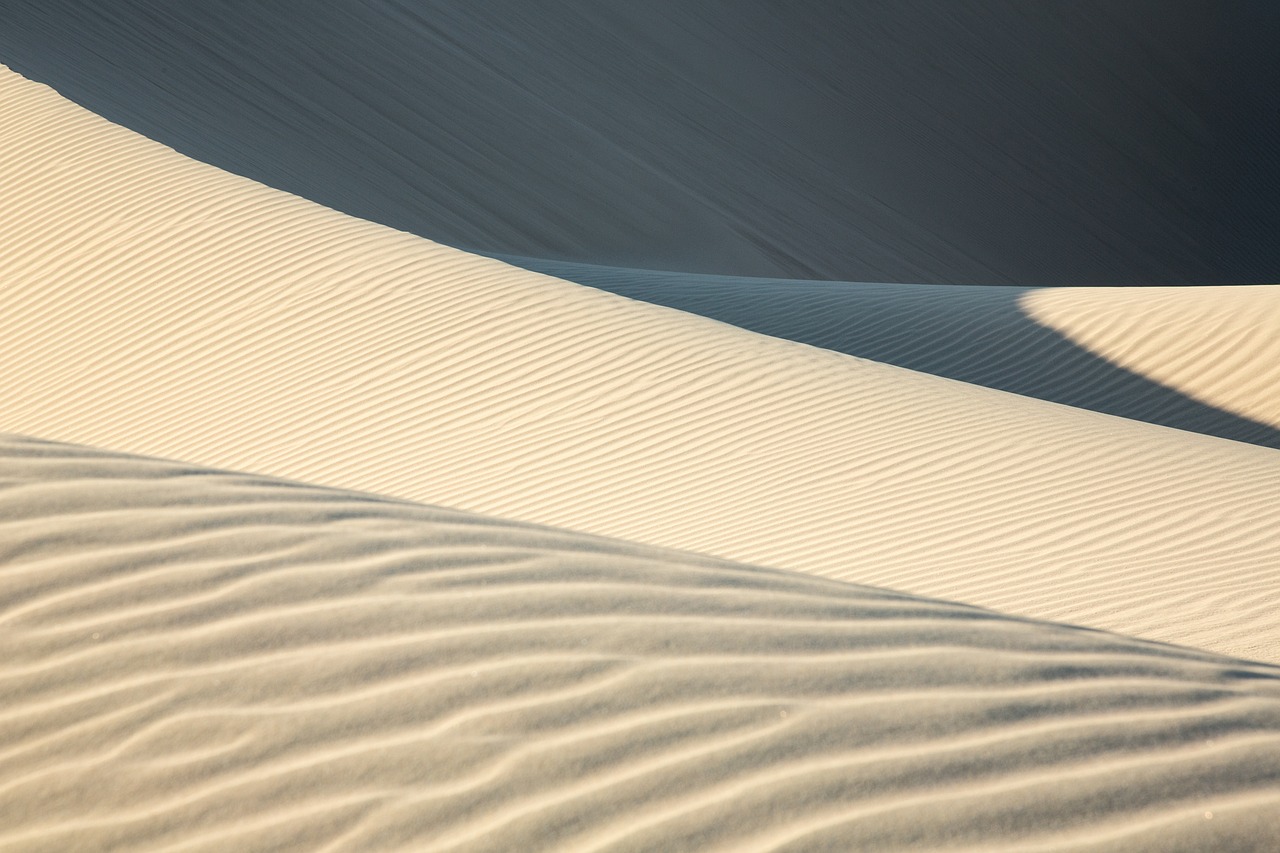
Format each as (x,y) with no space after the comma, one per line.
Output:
(1217,345)
(480,534)
(1198,358)
(200,660)
(156,305)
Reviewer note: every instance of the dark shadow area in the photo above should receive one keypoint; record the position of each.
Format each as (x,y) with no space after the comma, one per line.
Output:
(976,334)
(937,141)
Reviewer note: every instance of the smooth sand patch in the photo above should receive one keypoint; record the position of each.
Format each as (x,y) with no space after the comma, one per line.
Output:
(156,305)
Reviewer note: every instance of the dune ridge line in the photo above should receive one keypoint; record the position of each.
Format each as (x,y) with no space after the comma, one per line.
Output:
(156,305)
(196,659)
(1205,359)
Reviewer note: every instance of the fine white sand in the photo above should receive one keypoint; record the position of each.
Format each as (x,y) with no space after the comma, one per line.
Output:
(155,305)
(200,660)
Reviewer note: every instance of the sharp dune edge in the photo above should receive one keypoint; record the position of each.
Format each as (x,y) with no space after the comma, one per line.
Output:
(1205,359)
(201,660)
(155,305)
(1217,345)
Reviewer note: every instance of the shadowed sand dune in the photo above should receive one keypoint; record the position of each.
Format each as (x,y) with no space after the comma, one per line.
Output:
(979,141)
(1205,359)
(157,305)
(199,660)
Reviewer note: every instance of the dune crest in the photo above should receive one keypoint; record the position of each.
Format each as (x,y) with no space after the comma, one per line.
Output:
(160,306)
(200,660)
(1218,345)
(1203,359)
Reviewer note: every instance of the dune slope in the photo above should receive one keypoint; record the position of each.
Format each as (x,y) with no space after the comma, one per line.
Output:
(156,305)
(201,660)
(1205,359)
(978,141)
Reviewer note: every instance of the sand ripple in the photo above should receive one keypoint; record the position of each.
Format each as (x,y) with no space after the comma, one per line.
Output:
(200,660)
(156,305)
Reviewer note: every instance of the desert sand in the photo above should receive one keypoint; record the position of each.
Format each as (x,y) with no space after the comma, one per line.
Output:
(317,534)
(1204,359)
(161,306)
(199,660)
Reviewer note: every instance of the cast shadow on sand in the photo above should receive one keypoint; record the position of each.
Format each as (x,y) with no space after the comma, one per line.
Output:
(977,334)
(969,141)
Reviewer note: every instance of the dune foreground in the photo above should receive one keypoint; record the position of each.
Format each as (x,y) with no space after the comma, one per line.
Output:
(202,660)
(160,306)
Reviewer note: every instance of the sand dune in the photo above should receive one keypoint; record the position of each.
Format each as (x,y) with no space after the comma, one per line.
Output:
(977,141)
(869,583)
(161,306)
(199,660)
(1217,345)
(1205,359)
